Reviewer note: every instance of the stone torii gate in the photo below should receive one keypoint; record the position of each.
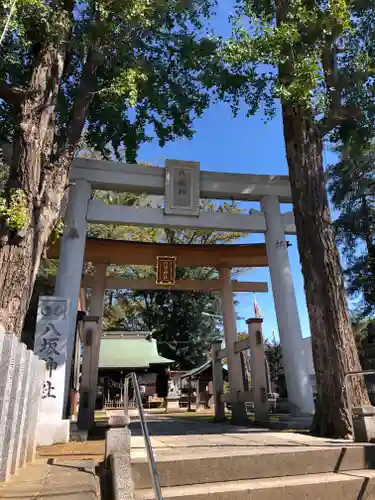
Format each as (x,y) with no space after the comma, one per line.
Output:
(183,185)
(100,253)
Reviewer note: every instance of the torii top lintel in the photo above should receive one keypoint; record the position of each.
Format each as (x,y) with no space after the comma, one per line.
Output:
(114,176)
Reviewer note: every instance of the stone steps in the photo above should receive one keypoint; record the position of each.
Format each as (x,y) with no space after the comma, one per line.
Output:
(181,468)
(218,462)
(358,485)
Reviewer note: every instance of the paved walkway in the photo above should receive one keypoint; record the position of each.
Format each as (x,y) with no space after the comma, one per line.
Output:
(43,480)
(178,437)
(67,471)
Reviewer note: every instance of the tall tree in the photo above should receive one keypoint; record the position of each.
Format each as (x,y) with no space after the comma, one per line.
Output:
(272,350)
(117,69)
(352,189)
(314,57)
(178,321)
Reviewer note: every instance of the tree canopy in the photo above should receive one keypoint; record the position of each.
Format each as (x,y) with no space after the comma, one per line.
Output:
(126,66)
(120,71)
(351,186)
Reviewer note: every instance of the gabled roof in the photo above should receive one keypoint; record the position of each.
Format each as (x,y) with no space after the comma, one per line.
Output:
(199,370)
(129,353)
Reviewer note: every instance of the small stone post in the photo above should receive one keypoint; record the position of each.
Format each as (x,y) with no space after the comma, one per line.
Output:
(29,408)
(258,369)
(198,393)
(118,435)
(14,414)
(8,355)
(36,397)
(22,417)
(19,396)
(217,382)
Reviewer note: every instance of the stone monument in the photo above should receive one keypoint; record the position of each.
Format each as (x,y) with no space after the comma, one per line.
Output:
(51,339)
(173,397)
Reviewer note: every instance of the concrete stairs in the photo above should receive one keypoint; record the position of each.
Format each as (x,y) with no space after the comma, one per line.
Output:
(332,472)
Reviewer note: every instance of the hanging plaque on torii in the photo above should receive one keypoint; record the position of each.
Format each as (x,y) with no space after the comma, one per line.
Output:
(182,188)
(166,271)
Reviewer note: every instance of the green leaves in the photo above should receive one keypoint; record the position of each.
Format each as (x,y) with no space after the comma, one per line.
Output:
(15,211)
(308,53)
(352,188)
(338,14)
(263,43)
(150,58)
(127,83)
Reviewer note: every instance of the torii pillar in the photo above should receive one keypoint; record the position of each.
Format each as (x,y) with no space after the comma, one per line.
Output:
(72,250)
(295,366)
(236,383)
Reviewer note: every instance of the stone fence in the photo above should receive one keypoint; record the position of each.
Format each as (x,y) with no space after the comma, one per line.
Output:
(238,399)
(21,379)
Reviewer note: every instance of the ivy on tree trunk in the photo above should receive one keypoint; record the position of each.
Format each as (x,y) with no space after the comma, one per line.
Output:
(22,248)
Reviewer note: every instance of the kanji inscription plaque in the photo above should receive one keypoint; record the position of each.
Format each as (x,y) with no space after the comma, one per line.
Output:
(166,271)
(182,188)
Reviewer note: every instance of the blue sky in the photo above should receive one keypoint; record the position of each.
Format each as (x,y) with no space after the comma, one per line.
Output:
(244,145)
(225,144)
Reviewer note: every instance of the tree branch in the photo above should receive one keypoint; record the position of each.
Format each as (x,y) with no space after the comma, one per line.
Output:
(336,112)
(7,152)
(12,95)
(80,108)
(333,120)
(329,62)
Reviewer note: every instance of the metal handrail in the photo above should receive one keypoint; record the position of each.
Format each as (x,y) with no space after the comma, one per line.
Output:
(346,378)
(146,435)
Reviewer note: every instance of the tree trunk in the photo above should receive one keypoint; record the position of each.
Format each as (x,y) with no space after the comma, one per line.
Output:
(39,171)
(333,344)
(31,172)
(19,263)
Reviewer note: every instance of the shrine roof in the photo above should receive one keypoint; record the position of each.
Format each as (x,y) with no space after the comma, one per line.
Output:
(103,251)
(128,352)
(196,372)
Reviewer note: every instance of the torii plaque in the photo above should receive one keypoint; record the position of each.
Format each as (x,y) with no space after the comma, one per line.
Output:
(182,188)
(166,271)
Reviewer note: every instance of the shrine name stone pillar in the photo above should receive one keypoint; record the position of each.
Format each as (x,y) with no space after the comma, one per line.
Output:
(72,250)
(236,384)
(258,369)
(51,340)
(295,367)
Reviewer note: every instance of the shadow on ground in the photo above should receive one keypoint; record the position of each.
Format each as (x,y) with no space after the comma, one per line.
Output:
(167,426)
